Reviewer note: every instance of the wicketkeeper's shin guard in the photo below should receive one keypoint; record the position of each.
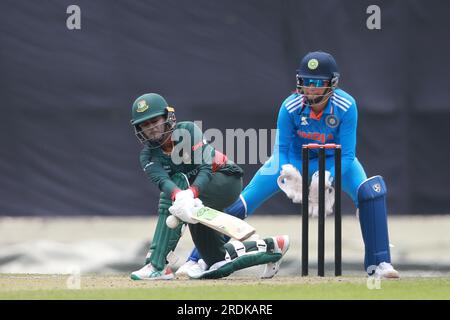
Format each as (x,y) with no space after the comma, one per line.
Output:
(373,221)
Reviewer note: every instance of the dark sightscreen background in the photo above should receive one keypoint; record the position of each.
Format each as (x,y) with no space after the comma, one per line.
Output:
(66,144)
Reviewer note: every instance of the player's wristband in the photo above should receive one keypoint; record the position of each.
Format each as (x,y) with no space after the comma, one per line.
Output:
(195,191)
(174,193)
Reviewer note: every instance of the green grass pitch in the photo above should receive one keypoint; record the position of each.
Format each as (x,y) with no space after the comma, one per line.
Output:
(23,286)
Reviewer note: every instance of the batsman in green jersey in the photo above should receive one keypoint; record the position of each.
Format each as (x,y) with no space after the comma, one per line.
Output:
(190,174)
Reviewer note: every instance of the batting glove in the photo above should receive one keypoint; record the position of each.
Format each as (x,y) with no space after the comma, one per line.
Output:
(185,208)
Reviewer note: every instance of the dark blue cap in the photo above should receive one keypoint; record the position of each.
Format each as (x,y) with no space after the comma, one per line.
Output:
(318,65)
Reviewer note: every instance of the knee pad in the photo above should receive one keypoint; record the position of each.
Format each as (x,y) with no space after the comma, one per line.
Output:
(371,189)
(373,220)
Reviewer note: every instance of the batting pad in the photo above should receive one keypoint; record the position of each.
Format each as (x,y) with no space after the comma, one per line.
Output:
(166,239)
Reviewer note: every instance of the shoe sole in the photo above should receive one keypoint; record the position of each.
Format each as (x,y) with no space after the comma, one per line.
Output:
(165,277)
(391,275)
(274,272)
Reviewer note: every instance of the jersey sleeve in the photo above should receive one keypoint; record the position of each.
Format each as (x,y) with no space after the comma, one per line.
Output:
(201,154)
(285,133)
(155,172)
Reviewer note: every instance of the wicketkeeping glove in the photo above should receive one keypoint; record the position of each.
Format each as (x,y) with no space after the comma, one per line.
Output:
(290,182)
(314,194)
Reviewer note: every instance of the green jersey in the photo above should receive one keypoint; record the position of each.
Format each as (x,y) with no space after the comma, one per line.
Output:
(191,155)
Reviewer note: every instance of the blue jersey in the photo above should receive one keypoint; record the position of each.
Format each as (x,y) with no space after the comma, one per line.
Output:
(297,125)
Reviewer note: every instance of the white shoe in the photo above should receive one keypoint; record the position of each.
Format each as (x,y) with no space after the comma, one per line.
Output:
(281,246)
(147,272)
(387,271)
(197,270)
(184,268)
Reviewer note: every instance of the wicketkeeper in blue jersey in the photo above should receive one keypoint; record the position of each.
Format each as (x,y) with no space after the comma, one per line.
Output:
(320,112)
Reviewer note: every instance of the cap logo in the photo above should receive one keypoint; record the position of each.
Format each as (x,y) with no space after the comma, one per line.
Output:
(142,106)
(313,64)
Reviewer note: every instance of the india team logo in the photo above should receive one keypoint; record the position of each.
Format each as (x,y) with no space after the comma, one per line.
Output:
(331,121)
(313,64)
(142,106)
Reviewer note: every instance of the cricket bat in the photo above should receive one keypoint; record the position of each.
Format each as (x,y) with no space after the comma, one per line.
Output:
(224,223)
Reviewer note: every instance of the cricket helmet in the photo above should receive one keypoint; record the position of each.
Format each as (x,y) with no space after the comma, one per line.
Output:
(149,106)
(318,66)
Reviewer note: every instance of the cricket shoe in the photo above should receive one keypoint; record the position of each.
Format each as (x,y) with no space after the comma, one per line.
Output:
(281,246)
(387,271)
(185,267)
(148,272)
(201,271)
(197,270)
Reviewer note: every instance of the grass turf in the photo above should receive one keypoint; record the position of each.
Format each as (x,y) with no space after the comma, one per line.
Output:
(121,287)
